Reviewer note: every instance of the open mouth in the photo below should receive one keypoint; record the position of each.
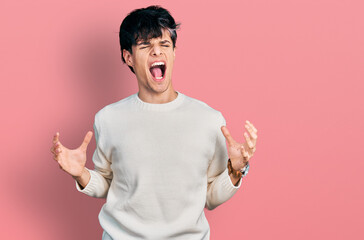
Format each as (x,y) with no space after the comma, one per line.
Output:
(157,70)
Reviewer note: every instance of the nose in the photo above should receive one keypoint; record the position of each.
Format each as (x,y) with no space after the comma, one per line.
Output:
(156,50)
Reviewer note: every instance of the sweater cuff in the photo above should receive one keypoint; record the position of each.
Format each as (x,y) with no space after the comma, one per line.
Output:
(90,187)
(228,183)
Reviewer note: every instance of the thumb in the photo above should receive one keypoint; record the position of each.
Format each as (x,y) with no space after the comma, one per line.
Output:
(86,140)
(227,135)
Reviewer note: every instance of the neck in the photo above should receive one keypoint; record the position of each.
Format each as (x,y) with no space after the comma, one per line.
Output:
(158,98)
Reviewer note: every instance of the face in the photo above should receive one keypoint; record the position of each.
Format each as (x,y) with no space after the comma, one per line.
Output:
(152,62)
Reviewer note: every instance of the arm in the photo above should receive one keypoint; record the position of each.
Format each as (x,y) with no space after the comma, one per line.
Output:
(220,186)
(96,183)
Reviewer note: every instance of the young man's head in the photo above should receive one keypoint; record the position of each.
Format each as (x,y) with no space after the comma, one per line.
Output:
(147,41)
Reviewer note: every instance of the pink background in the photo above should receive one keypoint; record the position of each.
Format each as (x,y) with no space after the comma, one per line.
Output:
(295,69)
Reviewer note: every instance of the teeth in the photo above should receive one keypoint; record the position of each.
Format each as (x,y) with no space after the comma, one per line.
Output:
(159,78)
(157,63)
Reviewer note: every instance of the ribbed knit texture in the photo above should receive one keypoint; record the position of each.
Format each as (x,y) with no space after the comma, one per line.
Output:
(159,165)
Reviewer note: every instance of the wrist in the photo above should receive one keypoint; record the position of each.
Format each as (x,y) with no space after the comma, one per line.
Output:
(84,179)
(234,177)
(234,180)
(81,175)
(236,174)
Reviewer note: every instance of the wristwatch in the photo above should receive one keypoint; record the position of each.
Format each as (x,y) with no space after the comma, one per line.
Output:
(238,173)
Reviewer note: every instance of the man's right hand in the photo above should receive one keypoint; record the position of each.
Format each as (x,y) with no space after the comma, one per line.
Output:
(72,161)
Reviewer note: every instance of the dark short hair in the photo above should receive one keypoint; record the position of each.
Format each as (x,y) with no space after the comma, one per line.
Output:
(144,24)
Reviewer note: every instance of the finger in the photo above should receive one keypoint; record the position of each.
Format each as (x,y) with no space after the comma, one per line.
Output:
(248,140)
(250,124)
(56,149)
(254,149)
(58,145)
(56,157)
(56,138)
(245,153)
(59,160)
(227,135)
(251,131)
(86,140)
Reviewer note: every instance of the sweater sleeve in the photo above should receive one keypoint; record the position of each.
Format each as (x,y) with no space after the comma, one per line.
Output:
(101,176)
(219,185)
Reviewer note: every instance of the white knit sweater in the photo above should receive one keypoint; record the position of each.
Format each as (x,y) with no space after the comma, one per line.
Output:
(158,166)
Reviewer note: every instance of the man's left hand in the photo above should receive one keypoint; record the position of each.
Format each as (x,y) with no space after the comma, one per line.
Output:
(241,153)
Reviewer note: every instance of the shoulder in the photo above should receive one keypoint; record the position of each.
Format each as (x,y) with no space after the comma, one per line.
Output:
(109,111)
(204,110)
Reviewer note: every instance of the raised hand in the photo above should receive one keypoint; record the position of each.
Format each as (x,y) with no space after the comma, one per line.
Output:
(71,161)
(240,153)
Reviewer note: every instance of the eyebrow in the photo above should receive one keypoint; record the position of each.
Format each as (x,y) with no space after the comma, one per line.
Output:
(148,43)
(143,43)
(164,41)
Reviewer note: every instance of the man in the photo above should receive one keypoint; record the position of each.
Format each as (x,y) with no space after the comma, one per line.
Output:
(160,155)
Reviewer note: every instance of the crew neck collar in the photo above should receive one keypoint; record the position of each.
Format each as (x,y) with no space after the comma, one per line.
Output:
(160,106)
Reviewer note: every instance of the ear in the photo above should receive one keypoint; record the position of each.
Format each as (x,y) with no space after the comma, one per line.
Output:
(174,52)
(128,58)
